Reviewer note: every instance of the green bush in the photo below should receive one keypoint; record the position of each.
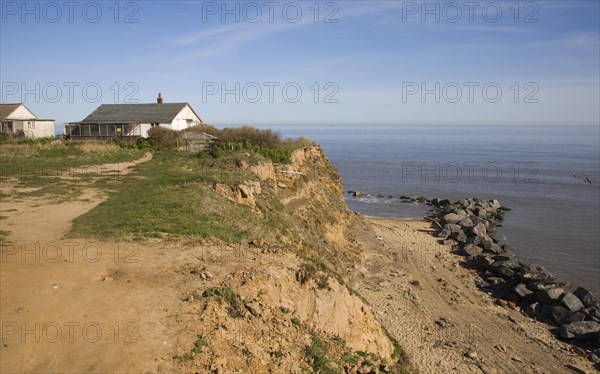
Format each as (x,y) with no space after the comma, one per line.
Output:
(163,138)
(278,155)
(4,138)
(265,142)
(142,143)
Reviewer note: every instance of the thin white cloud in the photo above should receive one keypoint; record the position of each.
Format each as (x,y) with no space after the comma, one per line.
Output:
(580,40)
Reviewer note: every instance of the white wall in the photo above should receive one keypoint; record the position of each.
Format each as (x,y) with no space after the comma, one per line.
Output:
(144,128)
(35,128)
(179,123)
(43,129)
(181,120)
(21,113)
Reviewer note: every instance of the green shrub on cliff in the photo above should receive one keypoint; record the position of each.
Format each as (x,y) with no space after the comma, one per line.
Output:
(277,155)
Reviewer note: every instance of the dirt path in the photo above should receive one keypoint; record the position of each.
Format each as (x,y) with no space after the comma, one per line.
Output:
(40,219)
(430,302)
(73,305)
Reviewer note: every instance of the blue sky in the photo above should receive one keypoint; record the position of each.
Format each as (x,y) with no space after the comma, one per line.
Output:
(369,64)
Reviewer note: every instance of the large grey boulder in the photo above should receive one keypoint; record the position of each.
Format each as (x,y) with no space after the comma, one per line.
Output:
(480,212)
(478,230)
(557,313)
(535,273)
(534,310)
(591,313)
(505,272)
(494,204)
(454,218)
(466,222)
(571,302)
(586,297)
(477,240)
(485,260)
(491,247)
(549,296)
(471,250)
(511,264)
(576,317)
(583,330)
(522,291)
(505,256)
(443,234)
(452,227)
(459,236)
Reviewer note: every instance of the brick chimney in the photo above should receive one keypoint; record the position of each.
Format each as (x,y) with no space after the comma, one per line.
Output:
(159,99)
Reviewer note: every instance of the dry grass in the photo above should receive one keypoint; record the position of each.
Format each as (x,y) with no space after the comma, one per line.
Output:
(22,149)
(33,149)
(97,147)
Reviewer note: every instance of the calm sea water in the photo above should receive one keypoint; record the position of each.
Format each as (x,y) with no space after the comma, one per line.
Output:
(538,172)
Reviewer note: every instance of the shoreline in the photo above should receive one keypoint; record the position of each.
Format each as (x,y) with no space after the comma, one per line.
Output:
(468,227)
(422,292)
(528,248)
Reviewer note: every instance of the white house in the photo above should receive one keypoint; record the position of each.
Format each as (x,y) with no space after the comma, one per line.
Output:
(18,120)
(132,121)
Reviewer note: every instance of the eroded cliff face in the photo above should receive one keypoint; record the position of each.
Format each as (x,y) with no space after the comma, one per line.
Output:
(305,201)
(305,294)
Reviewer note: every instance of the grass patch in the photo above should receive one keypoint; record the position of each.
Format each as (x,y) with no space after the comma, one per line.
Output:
(59,169)
(339,341)
(296,321)
(349,357)
(284,310)
(198,345)
(235,304)
(317,356)
(173,194)
(310,271)
(196,349)
(39,161)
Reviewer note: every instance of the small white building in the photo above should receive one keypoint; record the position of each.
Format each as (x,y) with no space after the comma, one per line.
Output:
(132,121)
(16,119)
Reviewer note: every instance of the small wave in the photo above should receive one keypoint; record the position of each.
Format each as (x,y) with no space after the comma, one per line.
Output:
(371,200)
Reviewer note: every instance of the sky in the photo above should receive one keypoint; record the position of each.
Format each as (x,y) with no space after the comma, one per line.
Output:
(307,62)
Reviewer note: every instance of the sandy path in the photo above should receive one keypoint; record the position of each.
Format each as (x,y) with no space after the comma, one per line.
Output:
(74,305)
(40,219)
(431,304)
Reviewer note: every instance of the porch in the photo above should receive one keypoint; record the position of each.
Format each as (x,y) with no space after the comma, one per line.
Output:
(125,131)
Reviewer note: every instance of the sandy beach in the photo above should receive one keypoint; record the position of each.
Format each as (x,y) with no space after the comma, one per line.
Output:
(430,302)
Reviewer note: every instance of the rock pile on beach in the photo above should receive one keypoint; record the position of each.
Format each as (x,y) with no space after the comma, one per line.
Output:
(469,225)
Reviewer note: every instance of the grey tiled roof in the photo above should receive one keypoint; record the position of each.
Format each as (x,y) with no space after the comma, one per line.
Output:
(135,113)
(7,109)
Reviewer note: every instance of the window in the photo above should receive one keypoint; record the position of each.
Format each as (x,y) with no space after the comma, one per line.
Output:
(31,125)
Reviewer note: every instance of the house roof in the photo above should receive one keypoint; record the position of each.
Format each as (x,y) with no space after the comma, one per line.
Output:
(136,113)
(7,109)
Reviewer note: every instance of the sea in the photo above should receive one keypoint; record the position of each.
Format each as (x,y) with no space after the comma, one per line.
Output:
(549,177)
